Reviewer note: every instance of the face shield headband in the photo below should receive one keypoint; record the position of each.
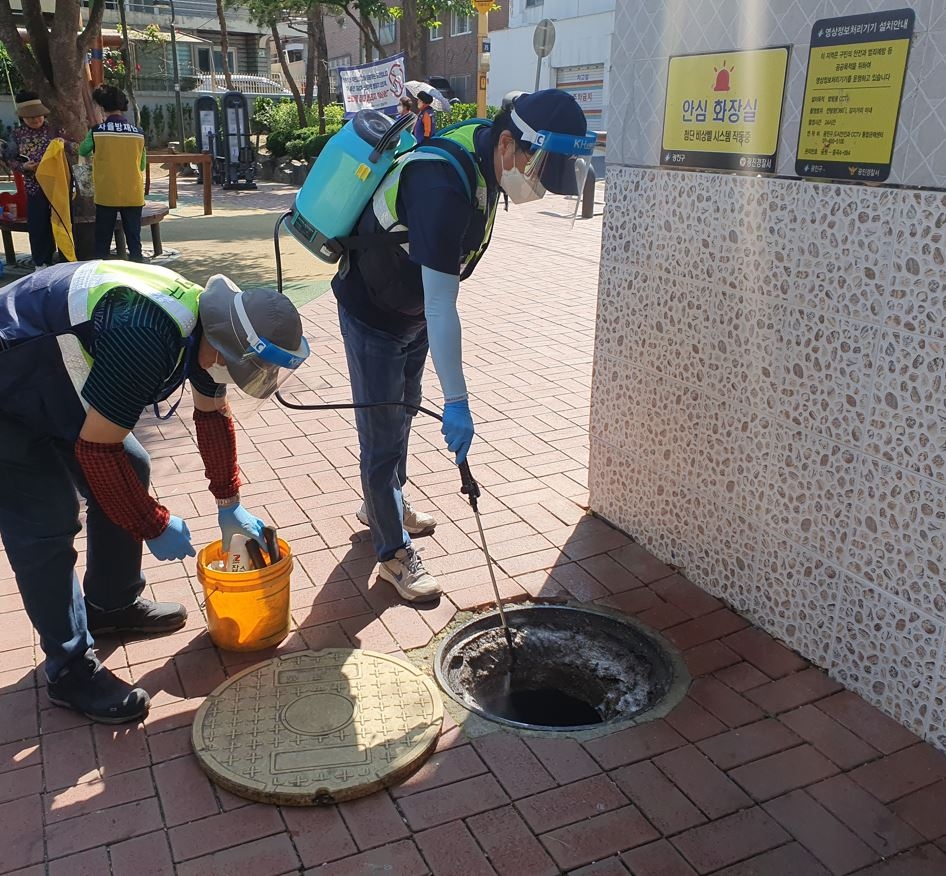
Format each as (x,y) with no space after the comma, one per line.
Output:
(558,163)
(264,366)
(267,351)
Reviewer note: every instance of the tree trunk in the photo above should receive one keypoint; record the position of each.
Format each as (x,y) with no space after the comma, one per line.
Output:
(126,60)
(323,86)
(290,82)
(412,43)
(224,46)
(369,36)
(54,64)
(312,53)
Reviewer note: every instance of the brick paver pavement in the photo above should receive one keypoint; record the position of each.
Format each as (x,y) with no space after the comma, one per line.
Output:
(767,767)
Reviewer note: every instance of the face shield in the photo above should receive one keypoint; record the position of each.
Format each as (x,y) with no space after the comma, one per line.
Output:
(257,332)
(558,163)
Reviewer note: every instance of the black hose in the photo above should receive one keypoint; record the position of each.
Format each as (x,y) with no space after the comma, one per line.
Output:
(279,222)
(353,406)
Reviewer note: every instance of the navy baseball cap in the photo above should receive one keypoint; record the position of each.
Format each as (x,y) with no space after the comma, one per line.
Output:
(553,112)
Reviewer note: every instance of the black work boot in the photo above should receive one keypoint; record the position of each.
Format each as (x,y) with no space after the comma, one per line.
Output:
(142,616)
(88,687)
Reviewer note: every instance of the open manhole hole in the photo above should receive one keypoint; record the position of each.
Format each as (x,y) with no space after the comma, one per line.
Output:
(574,669)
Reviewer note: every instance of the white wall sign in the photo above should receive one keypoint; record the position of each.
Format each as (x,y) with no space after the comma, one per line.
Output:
(378,85)
(586,83)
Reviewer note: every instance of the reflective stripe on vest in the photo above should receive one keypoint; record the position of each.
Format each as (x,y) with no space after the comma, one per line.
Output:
(384,202)
(78,364)
(174,294)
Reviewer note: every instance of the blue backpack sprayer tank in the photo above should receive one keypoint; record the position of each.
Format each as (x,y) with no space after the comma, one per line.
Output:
(344,178)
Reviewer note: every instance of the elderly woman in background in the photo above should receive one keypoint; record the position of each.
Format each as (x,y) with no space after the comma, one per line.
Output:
(24,151)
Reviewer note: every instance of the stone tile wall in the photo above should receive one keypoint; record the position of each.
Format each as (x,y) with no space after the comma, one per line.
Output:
(769,412)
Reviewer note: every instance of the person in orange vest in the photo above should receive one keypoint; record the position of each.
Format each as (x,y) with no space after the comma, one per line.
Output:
(424,127)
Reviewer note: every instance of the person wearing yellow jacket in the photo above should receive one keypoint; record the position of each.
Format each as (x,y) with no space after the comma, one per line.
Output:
(118,155)
(55,179)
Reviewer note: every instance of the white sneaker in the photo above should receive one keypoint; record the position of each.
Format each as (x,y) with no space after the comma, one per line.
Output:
(415,522)
(405,570)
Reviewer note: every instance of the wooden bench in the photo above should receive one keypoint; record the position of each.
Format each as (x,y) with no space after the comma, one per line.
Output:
(173,159)
(151,216)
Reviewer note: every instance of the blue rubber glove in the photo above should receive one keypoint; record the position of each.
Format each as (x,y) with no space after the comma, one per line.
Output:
(457,428)
(236,519)
(174,543)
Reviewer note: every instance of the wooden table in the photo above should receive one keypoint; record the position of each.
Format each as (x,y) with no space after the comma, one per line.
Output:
(174,159)
(151,215)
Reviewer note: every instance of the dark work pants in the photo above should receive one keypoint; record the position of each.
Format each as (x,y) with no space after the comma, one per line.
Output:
(39,520)
(384,367)
(105,227)
(40,229)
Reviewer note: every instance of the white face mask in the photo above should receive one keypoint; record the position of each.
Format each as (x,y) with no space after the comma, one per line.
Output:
(219,373)
(514,183)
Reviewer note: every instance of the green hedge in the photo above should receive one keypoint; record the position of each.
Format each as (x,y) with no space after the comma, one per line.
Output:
(460,112)
(281,120)
(308,142)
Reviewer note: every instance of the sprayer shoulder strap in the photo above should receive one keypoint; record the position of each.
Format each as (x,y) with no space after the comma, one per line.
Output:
(455,155)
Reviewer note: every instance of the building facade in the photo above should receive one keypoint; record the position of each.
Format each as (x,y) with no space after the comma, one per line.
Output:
(580,61)
(768,410)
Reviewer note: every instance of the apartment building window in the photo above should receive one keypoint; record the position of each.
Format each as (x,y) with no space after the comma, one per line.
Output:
(334,75)
(386,30)
(203,63)
(436,33)
(531,3)
(460,24)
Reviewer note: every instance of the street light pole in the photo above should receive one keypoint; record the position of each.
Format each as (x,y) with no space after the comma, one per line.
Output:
(177,74)
(482,53)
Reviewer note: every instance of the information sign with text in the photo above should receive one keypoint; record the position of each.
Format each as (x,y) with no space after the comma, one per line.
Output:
(856,70)
(724,109)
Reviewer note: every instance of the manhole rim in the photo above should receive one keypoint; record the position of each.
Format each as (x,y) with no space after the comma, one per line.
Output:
(679,676)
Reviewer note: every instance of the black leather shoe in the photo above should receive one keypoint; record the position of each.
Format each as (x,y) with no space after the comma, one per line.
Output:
(142,616)
(88,687)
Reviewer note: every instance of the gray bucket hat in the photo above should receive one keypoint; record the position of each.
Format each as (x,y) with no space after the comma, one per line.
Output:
(257,331)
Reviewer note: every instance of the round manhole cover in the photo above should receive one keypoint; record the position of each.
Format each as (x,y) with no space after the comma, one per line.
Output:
(318,727)
(572,668)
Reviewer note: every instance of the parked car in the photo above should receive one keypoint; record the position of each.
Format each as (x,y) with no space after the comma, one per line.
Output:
(442,84)
(241,82)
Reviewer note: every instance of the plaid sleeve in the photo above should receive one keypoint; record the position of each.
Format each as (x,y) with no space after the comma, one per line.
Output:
(216,440)
(118,491)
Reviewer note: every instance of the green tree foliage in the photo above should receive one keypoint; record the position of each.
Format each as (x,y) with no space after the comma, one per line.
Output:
(10,79)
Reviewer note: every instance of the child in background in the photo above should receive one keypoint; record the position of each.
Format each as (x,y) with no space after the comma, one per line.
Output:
(24,151)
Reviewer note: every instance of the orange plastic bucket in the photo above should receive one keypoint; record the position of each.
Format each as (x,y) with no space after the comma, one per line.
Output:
(246,611)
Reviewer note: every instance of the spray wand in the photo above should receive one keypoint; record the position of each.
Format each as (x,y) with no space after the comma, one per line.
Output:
(468,487)
(471,489)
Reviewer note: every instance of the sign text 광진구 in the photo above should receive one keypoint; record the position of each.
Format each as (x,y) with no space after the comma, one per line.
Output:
(724,109)
(856,71)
